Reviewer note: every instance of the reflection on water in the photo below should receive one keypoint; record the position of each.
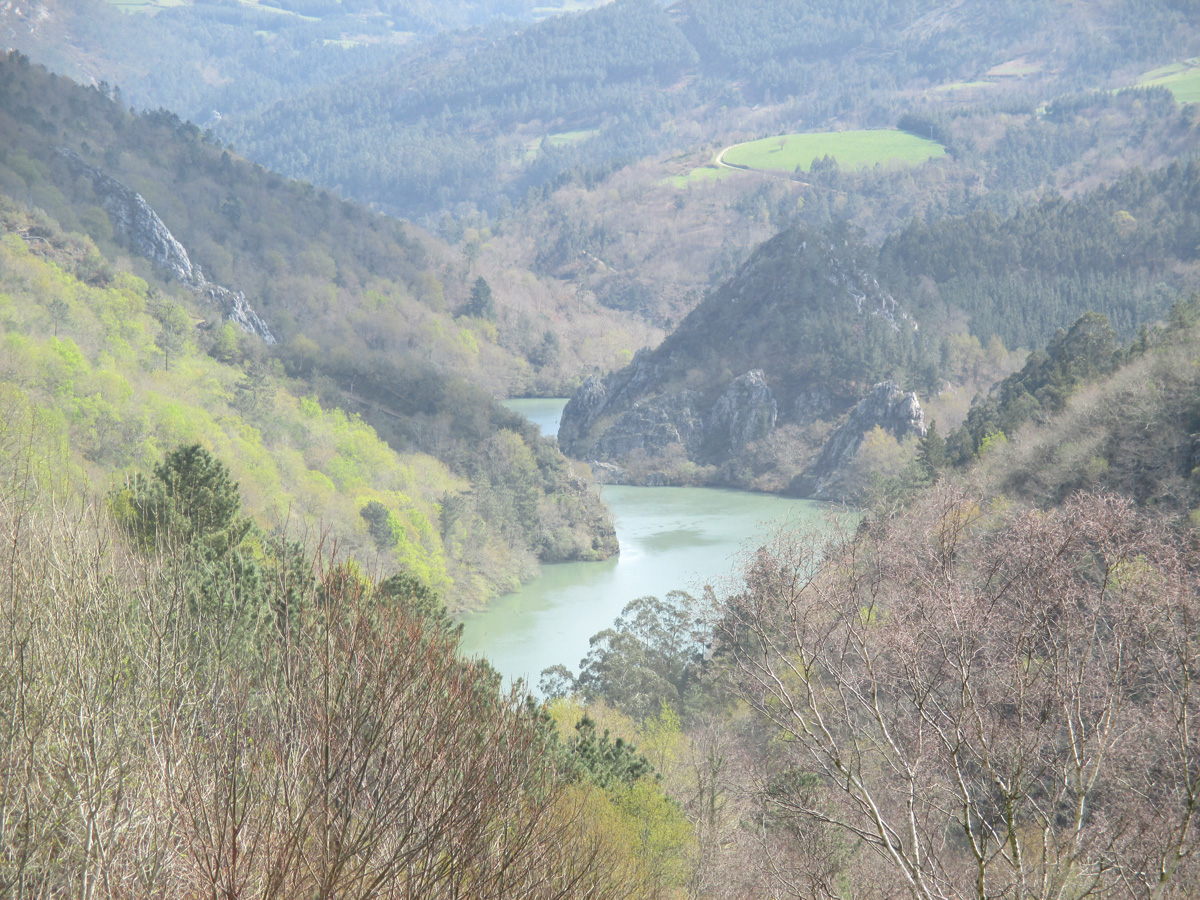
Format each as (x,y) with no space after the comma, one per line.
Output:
(671,539)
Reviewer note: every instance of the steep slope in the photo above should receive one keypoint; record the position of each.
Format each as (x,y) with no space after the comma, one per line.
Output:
(750,382)
(209,60)
(1125,250)
(357,302)
(1127,422)
(505,110)
(748,389)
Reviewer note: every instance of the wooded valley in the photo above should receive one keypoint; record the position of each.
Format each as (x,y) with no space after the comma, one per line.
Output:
(268,271)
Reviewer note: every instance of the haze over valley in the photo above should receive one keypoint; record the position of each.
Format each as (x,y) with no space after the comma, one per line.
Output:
(856,558)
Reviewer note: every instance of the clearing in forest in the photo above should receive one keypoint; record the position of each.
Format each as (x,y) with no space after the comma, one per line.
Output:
(851,149)
(1182,78)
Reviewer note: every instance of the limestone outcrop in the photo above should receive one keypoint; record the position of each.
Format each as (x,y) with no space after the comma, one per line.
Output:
(136,222)
(886,407)
(679,425)
(761,380)
(653,427)
(745,413)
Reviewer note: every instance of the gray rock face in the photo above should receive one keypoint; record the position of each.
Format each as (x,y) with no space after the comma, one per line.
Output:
(672,424)
(885,407)
(237,309)
(815,403)
(746,412)
(652,426)
(581,411)
(136,222)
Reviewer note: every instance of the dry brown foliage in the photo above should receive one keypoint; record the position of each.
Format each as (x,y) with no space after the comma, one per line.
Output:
(997,703)
(347,752)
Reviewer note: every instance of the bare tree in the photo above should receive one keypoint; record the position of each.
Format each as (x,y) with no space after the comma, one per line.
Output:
(998,704)
(151,747)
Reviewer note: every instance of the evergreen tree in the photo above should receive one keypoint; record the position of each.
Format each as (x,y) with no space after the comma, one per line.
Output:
(376,516)
(201,496)
(932,451)
(481,305)
(606,762)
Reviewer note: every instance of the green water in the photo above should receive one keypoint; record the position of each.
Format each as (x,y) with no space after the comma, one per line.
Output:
(543,412)
(671,539)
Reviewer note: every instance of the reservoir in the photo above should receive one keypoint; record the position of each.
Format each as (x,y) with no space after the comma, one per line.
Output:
(671,539)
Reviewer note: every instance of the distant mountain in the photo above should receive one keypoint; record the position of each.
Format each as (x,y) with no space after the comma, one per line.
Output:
(501,114)
(750,383)
(378,100)
(207,59)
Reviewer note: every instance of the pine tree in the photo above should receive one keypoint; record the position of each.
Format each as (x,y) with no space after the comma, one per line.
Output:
(932,451)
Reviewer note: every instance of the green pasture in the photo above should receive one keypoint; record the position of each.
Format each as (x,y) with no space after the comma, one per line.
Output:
(530,148)
(1182,79)
(1014,68)
(566,6)
(701,174)
(851,149)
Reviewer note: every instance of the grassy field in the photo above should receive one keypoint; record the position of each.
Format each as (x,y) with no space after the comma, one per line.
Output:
(570,137)
(964,85)
(703,173)
(531,148)
(1183,80)
(852,150)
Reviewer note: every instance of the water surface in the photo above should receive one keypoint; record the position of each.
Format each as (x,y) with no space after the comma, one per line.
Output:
(545,412)
(671,538)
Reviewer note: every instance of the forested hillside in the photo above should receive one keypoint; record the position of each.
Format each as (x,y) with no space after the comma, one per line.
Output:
(480,116)
(1080,414)
(206,60)
(433,132)
(360,308)
(862,692)
(197,707)
(1125,250)
(750,387)
(468,126)
(252,461)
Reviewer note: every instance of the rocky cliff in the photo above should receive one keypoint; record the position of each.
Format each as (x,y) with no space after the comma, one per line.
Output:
(762,382)
(886,407)
(135,222)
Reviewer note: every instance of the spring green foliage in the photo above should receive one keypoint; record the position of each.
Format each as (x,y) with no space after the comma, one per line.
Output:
(103,378)
(368,349)
(625,787)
